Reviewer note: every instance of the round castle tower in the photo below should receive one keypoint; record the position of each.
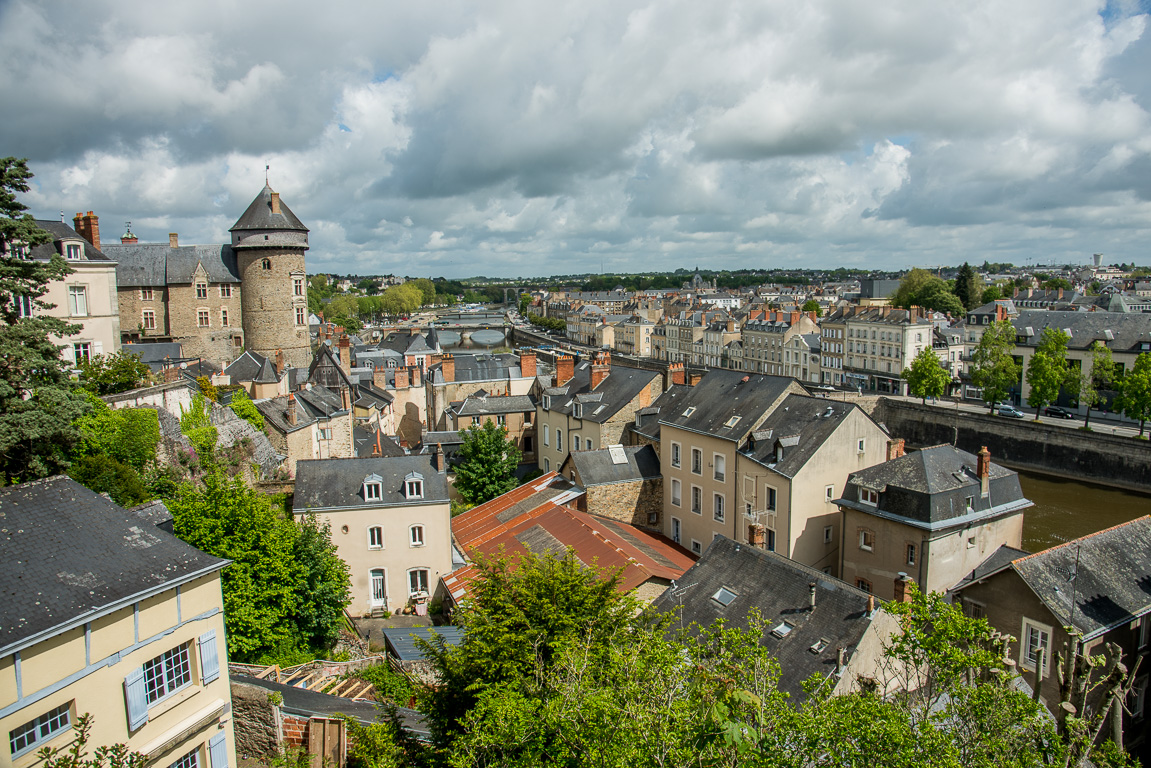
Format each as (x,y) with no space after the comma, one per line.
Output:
(269,242)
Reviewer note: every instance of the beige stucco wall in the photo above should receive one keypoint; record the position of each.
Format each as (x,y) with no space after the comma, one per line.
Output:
(396,556)
(101,325)
(942,559)
(99,689)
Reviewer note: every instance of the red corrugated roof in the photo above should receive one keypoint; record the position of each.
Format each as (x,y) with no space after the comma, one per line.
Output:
(606,543)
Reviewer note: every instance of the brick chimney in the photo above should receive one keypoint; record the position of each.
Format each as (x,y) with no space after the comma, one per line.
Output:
(565,369)
(730,326)
(416,376)
(380,377)
(280,361)
(345,350)
(292,410)
(902,588)
(913,314)
(402,381)
(345,398)
(895,448)
(793,318)
(438,459)
(983,469)
(694,377)
(88,225)
(173,240)
(528,364)
(757,535)
(448,367)
(600,368)
(675,370)
(275,202)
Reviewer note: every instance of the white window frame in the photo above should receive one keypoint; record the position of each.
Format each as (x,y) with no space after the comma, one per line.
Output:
(676,492)
(373,491)
(676,455)
(146,294)
(676,530)
(301,316)
(575,443)
(73,251)
(696,461)
(148,319)
(168,674)
(547,437)
(77,296)
(203,318)
(383,583)
(42,729)
(416,536)
(559,439)
(910,554)
(696,547)
(829,493)
(298,286)
(718,508)
(867,539)
(225,290)
(860,445)
(82,350)
(719,467)
(373,530)
(1025,647)
(190,760)
(426,581)
(697,500)
(24,305)
(868,497)
(828,534)
(770,498)
(223,317)
(414,488)
(201,291)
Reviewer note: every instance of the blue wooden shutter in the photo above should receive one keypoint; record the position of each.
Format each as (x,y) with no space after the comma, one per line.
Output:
(218,749)
(209,658)
(136,697)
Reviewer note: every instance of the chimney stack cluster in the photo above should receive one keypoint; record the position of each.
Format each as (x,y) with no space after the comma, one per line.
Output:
(600,368)
(448,368)
(88,225)
(292,418)
(565,369)
(676,373)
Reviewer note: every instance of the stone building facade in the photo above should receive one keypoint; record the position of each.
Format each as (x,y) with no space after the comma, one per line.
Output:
(219,300)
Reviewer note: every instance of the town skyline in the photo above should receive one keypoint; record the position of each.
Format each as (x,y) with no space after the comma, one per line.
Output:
(504,141)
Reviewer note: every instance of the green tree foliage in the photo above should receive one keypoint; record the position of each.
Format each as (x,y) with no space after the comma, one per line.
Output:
(525,302)
(990,294)
(208,389)
(196,424)
(993,367)
(811,305)
(127,435)
(243,407)
(926,377)
(427,290)
(969,287)
(112,374)
(103,474)
(920,288)
(75,755)
(227,519)
(323,585)
(1055,283)
(487,463)
(1135,391)
(1096,378)
(1048,371)
(39,403)
(550,323)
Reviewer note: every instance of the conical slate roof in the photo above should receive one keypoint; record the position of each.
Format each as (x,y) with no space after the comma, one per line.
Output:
(259,215)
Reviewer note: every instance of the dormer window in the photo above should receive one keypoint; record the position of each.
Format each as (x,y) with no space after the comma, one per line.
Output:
(868,496)
(414,486)
(73,251)
(373,488)
(577,410)
(547,402)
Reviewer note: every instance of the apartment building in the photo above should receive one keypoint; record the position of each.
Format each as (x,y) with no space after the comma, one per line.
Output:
(699,442)
(764,340)
(879,343)
(106,614)
(633,336)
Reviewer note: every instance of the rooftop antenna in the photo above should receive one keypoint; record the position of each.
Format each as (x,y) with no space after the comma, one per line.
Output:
(266,169)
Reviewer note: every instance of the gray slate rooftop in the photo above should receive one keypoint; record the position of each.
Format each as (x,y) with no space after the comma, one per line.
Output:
(338,483)
(723,395)
(259,215)
(779,588)
(61,231)
(70,552)
(598,467)
(803,424)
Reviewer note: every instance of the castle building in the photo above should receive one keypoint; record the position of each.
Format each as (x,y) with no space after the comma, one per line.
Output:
(220,300)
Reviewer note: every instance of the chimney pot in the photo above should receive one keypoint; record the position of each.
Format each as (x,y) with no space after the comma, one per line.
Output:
(173,240)
(565,369)
(811,595)
(983,469)
(438,458)
(292,417)
(448,368)
(902,588)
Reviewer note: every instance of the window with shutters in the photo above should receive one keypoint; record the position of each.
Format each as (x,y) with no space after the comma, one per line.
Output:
(190,760)
(218,750)
(168,673)
(148,685)
(82,350)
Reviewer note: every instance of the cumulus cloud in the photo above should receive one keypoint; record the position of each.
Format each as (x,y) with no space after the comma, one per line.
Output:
(520,138)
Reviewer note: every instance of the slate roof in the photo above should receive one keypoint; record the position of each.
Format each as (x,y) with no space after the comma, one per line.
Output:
(620,387)
(997,561)
(780,589)
(1112,585)
(70,553)
(155,265)
(61,231)
(722,395)
(1128,331)
(598,468)
(154,354)
(478,406)
(800,426)
(367,442)
(254,367)
(338,483)
(305,703)
(482,367)
(259,215)
(929,488)
(401,641)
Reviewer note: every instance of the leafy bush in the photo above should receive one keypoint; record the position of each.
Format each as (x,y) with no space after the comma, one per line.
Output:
(389,684)
(103,474)
(128,435)
(243,407)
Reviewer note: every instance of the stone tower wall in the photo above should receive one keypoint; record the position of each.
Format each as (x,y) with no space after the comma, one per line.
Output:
(269,304)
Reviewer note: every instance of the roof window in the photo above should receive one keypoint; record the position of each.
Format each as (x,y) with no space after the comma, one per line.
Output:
(414,485)
(732,421)
(373,488)
(783,629)
(724,596)
(689,411)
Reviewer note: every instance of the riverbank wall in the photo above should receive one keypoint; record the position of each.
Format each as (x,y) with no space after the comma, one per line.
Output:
(1093,457)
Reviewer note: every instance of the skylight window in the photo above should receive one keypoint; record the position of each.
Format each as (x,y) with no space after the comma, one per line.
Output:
(724,596)
(732,421)
(689,411)
(783,629)
(820,645)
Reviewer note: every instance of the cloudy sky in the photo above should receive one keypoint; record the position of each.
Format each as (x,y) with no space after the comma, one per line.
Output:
(529,138)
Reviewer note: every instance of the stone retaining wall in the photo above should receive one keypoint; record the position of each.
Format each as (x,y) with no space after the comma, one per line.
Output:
(1120,461)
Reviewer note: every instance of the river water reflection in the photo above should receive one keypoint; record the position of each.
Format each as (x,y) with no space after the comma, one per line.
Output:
(1068,509)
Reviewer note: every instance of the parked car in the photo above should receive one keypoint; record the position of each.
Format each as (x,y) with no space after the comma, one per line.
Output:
(1059,413)
(1010,412)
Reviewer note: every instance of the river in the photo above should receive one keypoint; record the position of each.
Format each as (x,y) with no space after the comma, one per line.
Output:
(1068,509)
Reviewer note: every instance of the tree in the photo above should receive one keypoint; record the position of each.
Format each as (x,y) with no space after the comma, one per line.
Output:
(920,288)
(1048,372)
(76,754)
(1096,378)
(227,519)
(993,367)
(323,585)
(128,435)
(811,305)
(969,287)
(1135,391)
(990,294)
(103,474)
(926,377)
(112,374)
(487,463)
(525,302)
(1055,283)
(38,401)
(243,407)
